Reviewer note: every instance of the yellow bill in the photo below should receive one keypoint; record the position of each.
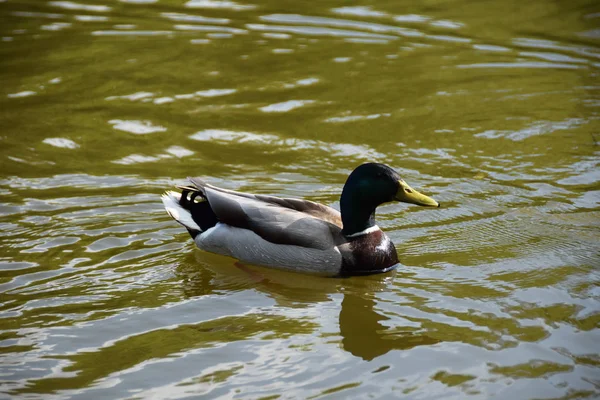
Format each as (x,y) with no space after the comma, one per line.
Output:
(406,194)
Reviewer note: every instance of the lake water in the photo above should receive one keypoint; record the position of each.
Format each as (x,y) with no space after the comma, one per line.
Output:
(490,107)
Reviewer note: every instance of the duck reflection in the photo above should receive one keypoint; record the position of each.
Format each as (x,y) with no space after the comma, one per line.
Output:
(366,337)
(362,327)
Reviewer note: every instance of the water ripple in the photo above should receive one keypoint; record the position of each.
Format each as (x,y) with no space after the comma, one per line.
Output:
(109,103)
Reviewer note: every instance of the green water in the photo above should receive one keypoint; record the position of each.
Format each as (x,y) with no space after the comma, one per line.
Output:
(490,107)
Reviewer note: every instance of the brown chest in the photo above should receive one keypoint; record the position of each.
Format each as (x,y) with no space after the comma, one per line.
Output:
(368,254)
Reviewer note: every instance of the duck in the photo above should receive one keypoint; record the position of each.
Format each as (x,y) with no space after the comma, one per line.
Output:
(295,234)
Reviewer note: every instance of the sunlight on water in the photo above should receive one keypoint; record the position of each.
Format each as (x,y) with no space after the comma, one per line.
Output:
(490,107)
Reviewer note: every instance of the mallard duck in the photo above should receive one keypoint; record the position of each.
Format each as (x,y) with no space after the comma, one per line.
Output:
(295,234)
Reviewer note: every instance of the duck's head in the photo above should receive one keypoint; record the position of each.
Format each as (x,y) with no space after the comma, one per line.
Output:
(369,186)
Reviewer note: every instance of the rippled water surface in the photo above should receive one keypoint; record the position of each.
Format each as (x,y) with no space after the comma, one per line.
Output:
(491,107)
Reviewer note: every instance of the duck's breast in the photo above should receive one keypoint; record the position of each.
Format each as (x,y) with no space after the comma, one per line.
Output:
(370,253)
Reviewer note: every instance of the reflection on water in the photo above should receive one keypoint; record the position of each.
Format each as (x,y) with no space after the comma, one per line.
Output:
(364,335)
(492,107)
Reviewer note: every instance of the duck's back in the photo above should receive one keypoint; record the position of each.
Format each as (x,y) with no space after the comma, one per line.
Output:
(282,233)
(272,221)
(308,207)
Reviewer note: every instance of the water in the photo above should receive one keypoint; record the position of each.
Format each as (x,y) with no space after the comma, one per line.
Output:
(491,107)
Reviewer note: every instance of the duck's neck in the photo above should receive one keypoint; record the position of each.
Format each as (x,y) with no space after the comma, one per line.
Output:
(357,215)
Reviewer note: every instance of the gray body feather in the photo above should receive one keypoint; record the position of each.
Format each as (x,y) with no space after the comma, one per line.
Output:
(247,246)
(273,222)
(283,233)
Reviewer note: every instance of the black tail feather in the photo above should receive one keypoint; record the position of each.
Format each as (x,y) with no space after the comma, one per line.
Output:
(202,213)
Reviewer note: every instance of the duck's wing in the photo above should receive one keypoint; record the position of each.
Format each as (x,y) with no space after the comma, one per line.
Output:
(274,219)
(311,208)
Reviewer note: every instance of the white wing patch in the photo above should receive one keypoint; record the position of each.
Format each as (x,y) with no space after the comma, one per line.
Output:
(170,200)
